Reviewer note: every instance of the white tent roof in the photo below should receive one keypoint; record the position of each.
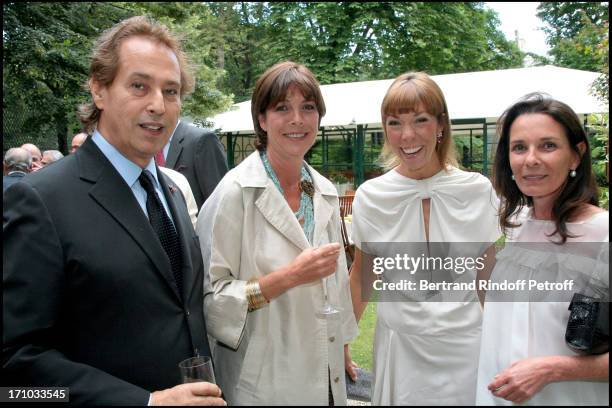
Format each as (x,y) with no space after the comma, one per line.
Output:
(471,95)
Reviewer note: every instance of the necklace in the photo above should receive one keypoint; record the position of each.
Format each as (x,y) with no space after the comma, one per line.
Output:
(306,211)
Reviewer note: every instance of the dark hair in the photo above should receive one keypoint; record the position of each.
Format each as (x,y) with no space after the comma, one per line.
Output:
(405,94)
(576,191)
(272,87)
(105,60)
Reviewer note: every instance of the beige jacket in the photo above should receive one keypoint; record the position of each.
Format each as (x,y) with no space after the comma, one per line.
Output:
(279,354)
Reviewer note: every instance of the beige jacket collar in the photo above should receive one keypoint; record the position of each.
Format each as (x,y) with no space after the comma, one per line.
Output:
(273,206)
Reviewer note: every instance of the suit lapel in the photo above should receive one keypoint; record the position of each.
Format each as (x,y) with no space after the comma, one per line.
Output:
(112,193)
(176,146)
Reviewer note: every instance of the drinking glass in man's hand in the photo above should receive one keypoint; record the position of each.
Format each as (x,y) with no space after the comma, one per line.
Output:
(197,369)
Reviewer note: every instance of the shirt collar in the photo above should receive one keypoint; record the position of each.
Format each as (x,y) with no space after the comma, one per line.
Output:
(128,170)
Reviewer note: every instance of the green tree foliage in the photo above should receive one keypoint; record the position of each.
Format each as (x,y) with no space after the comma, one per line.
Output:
(599,132)
(578,35)
(357,41)
(240,45)
(566,19)
(349,41)
(46,49)
(45,52)
(601,86)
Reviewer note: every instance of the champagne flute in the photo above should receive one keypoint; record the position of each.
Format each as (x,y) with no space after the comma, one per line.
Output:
(328,310)
(197,369)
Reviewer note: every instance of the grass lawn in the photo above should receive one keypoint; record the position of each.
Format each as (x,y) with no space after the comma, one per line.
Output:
(361,348)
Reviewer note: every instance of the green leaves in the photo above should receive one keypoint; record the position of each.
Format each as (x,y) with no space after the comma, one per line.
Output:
(599,141)
(46,50)
(578,36)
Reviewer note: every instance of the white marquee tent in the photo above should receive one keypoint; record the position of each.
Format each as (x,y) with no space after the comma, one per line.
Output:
(472,95)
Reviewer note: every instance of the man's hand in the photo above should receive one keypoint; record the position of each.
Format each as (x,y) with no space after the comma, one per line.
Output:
(197,393)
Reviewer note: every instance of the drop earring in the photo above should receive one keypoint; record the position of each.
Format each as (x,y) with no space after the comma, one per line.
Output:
(439,137)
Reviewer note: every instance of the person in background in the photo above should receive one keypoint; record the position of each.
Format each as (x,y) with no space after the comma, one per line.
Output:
(197,154)
(77,141)
(102,275)
(270,239)
(50,156)
(425,352)
(17,163)
(544,177)
(36,155)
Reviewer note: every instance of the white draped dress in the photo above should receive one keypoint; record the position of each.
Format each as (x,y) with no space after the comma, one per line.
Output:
(426,353)
(514,331)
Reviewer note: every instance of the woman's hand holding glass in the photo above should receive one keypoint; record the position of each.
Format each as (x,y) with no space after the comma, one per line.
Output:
(314,264)
(310,265)
(318,263)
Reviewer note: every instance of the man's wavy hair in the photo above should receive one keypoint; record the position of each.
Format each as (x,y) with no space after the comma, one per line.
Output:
(105,60)
(576,191)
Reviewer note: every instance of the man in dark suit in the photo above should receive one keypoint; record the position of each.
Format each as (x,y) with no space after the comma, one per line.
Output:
(17,163)
(199,156)
(102,271)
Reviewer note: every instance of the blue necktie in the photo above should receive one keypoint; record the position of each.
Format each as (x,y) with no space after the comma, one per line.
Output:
(163,227)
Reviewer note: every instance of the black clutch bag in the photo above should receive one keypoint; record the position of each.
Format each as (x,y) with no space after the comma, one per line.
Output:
(588,325)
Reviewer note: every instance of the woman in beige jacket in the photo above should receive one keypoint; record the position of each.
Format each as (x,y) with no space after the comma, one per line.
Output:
(270,239)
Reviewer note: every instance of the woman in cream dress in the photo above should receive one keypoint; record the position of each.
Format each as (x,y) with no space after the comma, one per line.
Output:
(425,353)
(555,232)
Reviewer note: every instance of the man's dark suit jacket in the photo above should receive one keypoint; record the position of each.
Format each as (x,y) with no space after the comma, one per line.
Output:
(90,301)
(11,179)
(200,157)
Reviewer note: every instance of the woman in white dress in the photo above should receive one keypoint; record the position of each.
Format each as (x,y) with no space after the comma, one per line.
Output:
(549,203)
(270,237)
(425,353)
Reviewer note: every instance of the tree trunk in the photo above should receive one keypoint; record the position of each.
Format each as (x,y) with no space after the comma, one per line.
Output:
(220,57)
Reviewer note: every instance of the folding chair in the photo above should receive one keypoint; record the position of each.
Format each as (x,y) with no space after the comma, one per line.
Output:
(349,250)
(346,203)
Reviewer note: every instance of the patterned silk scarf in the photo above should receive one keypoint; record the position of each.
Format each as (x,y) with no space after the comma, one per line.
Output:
(305,214)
